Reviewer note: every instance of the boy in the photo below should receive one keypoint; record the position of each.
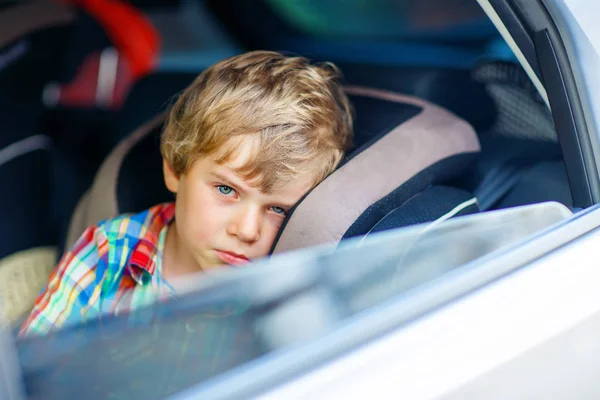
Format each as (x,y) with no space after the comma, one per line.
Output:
(244,143)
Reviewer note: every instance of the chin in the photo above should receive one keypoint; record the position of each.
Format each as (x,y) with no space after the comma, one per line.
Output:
(209,264)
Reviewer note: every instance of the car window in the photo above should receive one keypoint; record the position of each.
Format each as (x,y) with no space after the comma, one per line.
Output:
(237,318)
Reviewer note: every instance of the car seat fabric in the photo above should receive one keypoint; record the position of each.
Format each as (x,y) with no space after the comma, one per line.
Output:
(100,201)
(403,145)
(522,112)
(454,90)
(22,277)
(430,205)
(343,204)
(429,208)
(501,164)
(26,188)
(30,16)
(27,252)
(31,33)
(542,182)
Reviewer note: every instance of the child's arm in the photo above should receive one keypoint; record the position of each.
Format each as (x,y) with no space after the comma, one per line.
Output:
(72,287)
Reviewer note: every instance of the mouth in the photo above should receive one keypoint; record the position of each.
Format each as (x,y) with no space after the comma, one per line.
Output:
(231,258)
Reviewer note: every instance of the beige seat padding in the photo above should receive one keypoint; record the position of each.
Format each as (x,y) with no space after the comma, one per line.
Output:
(100,201)
(328,212)
(22,277)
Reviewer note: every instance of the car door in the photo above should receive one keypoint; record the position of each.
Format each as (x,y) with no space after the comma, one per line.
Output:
(375,314)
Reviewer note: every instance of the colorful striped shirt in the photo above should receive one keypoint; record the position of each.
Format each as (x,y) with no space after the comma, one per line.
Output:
(114,266)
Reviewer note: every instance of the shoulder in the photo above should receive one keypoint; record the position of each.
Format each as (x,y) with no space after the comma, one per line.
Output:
(116,238)
(131,226)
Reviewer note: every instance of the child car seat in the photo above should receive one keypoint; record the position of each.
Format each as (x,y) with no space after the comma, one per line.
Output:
(406,150)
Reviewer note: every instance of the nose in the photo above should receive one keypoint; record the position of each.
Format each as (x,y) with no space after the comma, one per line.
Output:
(246,224)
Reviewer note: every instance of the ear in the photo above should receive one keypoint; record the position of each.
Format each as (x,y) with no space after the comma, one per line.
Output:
(171,178)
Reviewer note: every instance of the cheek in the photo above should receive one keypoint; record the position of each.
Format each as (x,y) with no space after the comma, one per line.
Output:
(268,236)
(199,213)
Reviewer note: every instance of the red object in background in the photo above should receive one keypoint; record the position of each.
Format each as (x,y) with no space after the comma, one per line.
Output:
(131,33)
(104,78)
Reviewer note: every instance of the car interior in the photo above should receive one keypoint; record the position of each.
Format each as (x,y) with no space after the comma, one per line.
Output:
(455,63)
(447,121)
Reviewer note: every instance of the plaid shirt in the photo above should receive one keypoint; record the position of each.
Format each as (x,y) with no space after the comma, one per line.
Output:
(112,258)
(114,266)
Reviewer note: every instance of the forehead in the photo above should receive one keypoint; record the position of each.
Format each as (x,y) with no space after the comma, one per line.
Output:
(238,154)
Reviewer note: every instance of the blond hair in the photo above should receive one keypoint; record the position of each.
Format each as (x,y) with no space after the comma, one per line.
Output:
(297,111)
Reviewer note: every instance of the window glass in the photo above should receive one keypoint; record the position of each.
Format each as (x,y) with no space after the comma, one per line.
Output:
(237,317)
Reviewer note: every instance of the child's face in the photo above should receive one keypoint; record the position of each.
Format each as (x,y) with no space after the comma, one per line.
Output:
(220,218)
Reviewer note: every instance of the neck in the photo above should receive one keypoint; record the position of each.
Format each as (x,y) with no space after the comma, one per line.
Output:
(177,261)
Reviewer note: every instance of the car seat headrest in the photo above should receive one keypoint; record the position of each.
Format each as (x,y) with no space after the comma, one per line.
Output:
(414,154)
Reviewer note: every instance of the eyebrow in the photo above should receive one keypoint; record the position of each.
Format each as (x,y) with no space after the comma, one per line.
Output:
(232,182)
(245,188)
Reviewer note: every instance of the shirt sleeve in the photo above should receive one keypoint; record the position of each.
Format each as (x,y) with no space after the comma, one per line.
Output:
(71,288)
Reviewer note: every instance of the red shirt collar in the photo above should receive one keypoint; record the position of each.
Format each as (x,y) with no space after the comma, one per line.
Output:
(143,255)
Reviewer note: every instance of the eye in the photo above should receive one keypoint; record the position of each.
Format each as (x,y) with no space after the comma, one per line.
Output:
(226,190)
(279,210)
